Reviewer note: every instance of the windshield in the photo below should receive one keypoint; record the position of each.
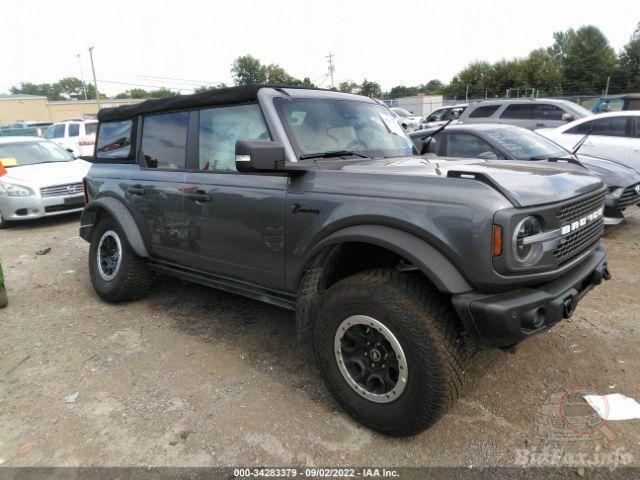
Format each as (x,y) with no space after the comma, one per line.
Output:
(319,126)
(402,112)
(525,144)
(19,154)
(578,110)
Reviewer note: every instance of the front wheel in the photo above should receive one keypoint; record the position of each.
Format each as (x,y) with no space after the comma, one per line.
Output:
(117,273)
(391,350)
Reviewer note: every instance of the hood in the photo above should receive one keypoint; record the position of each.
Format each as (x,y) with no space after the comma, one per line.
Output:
(523,185)
(614,174)
(48,174)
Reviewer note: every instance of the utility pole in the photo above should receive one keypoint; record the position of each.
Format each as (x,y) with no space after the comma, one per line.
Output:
(84,85)
(332,67)
(95,82)
(606,89)
(466,95)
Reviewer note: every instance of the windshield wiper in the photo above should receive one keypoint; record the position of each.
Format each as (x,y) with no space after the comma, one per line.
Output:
(333,154)
(568,157)
(425,145)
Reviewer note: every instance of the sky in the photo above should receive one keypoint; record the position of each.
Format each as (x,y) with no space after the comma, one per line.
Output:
(182,44)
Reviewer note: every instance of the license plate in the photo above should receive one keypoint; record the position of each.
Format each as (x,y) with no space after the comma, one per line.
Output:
(79,200)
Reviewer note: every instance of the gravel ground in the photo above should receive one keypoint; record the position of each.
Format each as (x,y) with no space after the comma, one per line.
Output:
(196,377)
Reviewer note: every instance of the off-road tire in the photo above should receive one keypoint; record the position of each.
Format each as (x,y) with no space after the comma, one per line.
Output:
(133,280)
(422,319)
(4,301)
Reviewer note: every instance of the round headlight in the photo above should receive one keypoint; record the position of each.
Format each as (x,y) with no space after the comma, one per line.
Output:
(524,252)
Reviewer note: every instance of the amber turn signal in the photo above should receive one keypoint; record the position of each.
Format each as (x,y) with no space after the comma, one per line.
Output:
(497,240)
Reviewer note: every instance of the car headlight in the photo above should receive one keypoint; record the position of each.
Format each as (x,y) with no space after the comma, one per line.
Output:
(526,250)
(11,190)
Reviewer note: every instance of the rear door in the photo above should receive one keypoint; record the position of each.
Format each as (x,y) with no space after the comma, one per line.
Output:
(610,137)
(546,115)
(519,114)
(236,220)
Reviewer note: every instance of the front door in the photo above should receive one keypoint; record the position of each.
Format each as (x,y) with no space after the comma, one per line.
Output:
(235,220)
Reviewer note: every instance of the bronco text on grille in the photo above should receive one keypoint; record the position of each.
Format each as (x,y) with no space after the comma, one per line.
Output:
(582,225)
(62,190)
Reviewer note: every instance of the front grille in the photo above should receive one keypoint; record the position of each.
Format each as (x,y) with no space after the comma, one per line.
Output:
(63,208)
(581,208)
(629,197)
(62,190)
(580,240)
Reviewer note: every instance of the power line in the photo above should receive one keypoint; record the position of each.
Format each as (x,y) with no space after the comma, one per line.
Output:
(178,80)
(148,86)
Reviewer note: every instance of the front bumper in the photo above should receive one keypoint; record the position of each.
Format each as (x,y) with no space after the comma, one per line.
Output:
(503,319)
(26,208)
(617,208)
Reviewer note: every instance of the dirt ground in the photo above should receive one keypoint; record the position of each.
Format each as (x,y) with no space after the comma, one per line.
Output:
(195,377)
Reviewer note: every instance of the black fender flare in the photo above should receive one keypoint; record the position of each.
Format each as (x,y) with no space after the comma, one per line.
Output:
(119,212)
(429,260)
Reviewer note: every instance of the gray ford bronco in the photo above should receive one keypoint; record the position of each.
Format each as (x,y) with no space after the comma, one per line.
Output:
(397,267)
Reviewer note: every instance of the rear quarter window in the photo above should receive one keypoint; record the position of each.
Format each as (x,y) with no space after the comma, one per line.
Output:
(114,139)
(484,112)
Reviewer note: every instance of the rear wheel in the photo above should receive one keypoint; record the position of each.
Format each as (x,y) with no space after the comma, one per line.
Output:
(391,350)
(117,273)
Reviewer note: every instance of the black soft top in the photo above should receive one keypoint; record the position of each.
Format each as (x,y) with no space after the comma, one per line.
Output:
(221,96)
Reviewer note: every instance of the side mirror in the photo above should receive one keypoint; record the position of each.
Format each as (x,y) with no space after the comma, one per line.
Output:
(567,117)
(70,150)
(259,155)
(488,156)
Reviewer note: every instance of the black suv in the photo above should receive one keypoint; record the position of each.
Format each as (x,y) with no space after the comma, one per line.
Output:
(396,266)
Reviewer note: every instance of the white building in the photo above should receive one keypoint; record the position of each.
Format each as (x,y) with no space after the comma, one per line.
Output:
(420,104)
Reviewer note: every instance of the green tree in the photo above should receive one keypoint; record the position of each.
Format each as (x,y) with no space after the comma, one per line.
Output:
(348,87)
(370,89)
(402,91)
(585,60)
(627,77)
(248,69)
(539,70)
(432,87)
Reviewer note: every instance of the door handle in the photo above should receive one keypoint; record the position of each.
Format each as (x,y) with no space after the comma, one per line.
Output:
(541,124)
(198,196)
(135,189)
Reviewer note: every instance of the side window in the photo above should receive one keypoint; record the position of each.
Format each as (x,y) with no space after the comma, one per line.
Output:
(221,127)
(466,145)
(74,130)
(435,144)
(114,139)
(609,126)
(545,111)
(519,111)
(437,116)
(55,131)
(90,128)
(484,112)
(164,140)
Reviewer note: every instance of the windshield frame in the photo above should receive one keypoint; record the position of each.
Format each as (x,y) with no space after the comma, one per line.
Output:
(559,151)
(47,144)
(278,103)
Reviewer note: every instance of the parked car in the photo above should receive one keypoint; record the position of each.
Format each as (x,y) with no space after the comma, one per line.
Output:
(42,179)
(407,119)
(617,104)
(443,115)
(612,135)
(524,112)
(506,142)
(38,126)
(396,267)
(77,135)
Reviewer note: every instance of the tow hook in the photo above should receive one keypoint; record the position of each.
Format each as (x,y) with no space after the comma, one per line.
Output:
(568,306)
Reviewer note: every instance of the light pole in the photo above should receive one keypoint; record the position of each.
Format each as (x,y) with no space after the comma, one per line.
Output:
(95,82)
(84,85)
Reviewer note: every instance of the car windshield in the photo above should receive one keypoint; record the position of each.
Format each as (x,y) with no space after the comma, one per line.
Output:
(578,110)
(318,126)
(402,112)
(525,144)
(19,154)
